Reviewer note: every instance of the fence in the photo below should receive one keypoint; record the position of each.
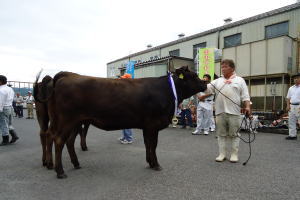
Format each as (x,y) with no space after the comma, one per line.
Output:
(21,87)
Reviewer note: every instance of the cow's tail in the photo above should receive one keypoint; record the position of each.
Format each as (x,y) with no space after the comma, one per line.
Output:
(35,86)
(43,91)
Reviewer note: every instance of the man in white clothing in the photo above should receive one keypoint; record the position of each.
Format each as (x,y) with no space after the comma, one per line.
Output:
(29,105)
(293,107)
(6,99)
(230,91)
(204,110)
(19,104)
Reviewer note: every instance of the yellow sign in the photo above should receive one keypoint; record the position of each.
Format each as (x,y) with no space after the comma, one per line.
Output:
(206,62)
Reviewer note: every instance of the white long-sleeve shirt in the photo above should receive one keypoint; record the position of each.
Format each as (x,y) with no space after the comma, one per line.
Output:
(6,96)
(236,90)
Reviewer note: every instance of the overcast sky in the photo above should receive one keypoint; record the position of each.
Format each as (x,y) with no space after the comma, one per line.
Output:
(84,35)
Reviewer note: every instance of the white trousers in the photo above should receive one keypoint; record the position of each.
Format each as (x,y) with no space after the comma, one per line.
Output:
(212,122)
(203,119)
(294,116)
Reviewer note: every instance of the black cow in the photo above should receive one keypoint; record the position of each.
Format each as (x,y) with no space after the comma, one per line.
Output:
(114,104)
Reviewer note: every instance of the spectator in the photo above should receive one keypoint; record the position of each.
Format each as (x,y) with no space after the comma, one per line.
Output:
(13,103)
(29,104)
(12,132)
(204,110)
(293,107)
(127,133)
(19,103)
(6,99)
(186,112)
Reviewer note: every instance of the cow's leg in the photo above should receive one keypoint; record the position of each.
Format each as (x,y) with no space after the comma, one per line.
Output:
(49,144)
(59,145)
(153,145)
(150,140)
(83,133)
(71,150)
(43,138)
(147,146)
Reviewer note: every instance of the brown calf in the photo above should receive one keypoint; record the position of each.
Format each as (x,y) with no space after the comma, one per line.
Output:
(46,139)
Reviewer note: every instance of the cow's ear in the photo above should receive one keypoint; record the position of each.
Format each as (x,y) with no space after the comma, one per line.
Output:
(185,68)
(180,73)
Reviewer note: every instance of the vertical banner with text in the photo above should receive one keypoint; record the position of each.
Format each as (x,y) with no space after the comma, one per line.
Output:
(206,62)
(130,68)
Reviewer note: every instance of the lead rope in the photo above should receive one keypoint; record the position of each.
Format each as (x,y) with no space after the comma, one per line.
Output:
(171,82)
(248,127)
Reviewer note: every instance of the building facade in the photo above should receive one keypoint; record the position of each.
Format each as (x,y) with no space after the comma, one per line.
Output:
(264,47)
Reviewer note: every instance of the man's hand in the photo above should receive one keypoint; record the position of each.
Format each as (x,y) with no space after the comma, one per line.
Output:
(288,104)
(202,98)
(288,108)
(247,111)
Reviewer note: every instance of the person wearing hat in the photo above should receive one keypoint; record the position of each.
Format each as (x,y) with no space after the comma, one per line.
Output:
(293,107)
(127,133)
(29,104)
(6,99)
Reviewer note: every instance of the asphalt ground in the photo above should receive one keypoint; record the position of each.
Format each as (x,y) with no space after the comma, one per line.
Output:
(111,170)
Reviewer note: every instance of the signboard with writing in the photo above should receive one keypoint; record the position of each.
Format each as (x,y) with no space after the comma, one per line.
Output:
(130,68)
(206,62)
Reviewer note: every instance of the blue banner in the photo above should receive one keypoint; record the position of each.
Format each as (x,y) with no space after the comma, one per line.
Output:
(130,68)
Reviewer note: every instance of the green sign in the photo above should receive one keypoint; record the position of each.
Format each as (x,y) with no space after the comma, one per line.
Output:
(206,62)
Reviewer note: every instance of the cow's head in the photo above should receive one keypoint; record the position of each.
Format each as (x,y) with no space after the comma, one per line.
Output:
(43,90)
(188,82)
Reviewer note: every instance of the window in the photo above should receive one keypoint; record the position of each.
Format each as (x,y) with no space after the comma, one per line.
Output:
(232,40)
(197,46)
(257,103)
(277,30)
(175,52)
(273,103)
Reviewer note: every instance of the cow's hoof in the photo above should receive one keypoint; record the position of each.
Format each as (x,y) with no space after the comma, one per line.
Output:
(157,168)
(50,166)
(77,167)
(61,176)
(44,163)
(84,148)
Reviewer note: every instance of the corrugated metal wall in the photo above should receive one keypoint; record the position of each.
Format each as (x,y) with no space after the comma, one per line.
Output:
(151,71)
(261,58)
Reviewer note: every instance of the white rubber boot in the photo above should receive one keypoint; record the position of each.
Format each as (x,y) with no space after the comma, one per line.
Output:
(234,149)
(222,149)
